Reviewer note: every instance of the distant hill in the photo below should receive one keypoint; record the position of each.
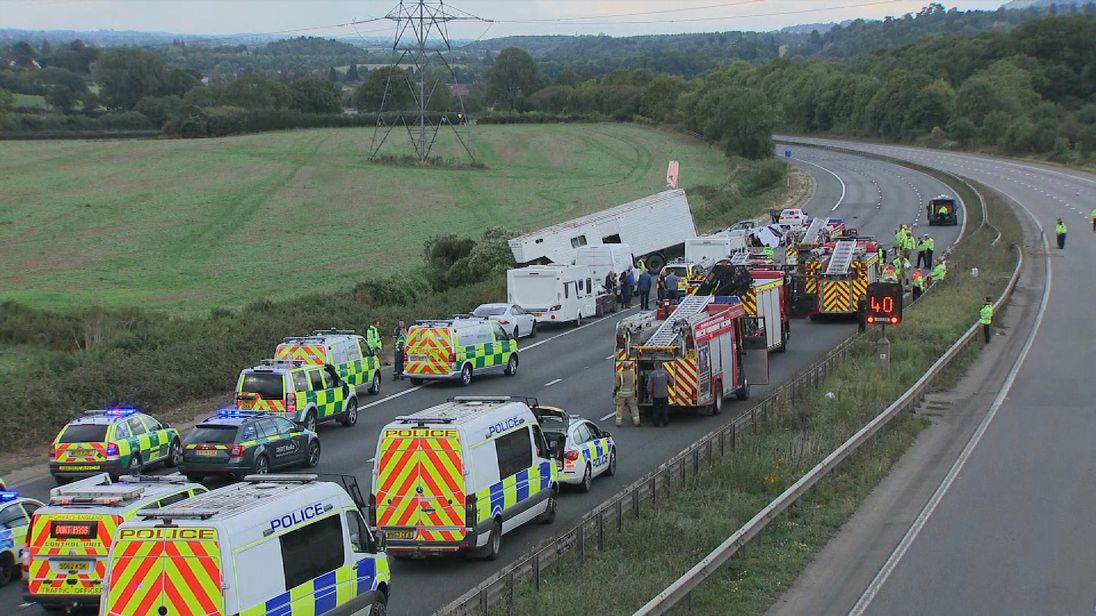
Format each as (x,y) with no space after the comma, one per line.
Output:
(1045,4)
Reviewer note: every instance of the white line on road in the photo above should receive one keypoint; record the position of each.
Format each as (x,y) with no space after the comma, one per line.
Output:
(611,357)
(550,383)
(609,416)
(922,519)
(842,199)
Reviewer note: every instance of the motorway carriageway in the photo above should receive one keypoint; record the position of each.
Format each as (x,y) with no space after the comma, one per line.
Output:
(573,369)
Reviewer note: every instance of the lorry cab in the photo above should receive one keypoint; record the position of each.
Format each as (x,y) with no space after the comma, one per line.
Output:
(274,544)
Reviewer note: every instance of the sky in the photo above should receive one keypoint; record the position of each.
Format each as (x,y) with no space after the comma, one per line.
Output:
(331,18)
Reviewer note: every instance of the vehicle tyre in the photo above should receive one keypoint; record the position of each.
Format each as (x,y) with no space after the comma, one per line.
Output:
(512,365)
(8,570)
(262,466)
(379,607)
(587,481)
(194,477)
(783,342)
(516,332)
(174,455)
(717,404)
(135,465)
(350,415)
(549,514)
(466,375)
(313,454)
(494,542)
(375,387)
(578,320)
(609,472)
(61,480)
(310,421)
(415,382)
(533,331)
(743,393)
(655,263)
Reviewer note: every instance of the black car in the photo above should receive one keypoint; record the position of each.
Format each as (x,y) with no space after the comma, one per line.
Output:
(238,443)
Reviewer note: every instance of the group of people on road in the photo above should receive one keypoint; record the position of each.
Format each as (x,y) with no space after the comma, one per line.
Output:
(622,285)
(626,394)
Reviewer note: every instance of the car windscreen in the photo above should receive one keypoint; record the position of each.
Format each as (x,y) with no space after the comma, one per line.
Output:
(552,423)
(212,435)
(268,385)
(489,311)
(86,433)
(677,270)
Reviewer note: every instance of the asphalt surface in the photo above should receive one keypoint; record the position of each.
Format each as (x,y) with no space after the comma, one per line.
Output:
(572,368)
(1005,524)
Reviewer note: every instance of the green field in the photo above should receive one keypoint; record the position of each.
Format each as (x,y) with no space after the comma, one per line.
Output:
(32,101)
(185,225)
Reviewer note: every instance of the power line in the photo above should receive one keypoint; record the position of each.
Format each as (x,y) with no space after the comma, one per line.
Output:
(659,12)
(561,21)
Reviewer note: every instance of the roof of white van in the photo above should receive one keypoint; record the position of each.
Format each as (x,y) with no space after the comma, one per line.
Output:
(462,410)
(609,213)
(249,497)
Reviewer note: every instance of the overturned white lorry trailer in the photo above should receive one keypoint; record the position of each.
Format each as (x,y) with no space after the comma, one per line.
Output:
(655,227)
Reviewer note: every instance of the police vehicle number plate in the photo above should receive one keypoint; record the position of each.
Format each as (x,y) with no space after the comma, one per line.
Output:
(83,453)
(399,534)
(74,565)
(208,453)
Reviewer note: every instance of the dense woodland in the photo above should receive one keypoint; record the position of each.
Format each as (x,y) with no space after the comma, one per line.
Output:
(1011,81)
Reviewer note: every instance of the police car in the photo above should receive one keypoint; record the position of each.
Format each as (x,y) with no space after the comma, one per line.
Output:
(15,515)
(118,441)
(273,544)
(581,449)
(235,442)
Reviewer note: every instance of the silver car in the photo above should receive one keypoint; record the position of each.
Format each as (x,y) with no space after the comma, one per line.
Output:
(511,317)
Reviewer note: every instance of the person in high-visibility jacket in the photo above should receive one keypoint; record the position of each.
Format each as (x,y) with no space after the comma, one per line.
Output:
(940,272)
(910,243)
(625,393)
(373,337)
(767,252)
(1060,230)
(917,280)
(924,251)
(985,315)
(890,274)
(1094,220)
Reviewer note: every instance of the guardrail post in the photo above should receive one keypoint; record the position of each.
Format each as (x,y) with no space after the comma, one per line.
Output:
(536,574)
(483,601)
(580,542)
(620,514)
(696,462)
(601,531)
(709,446)
(722,440)
(510,586)
(734,437)
(681,468)
(635,502)
(654,493)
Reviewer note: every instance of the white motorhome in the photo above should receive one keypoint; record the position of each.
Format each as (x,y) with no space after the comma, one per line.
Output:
(604,259)
(654,226)
(554,293)
(707,250)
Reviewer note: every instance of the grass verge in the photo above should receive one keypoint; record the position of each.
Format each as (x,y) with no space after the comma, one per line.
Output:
(651,552)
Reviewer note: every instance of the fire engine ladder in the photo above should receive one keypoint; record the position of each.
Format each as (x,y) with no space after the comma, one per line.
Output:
(691,305)
(841,259)
(741,258)
(814,232)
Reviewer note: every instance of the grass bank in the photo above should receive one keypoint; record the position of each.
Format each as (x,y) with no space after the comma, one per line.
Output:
(650,553)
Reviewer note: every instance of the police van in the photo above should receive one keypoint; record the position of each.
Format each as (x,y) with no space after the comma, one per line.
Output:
(305,393)
(344,349)
(70,537)
(458,348)
(274,544)
(460,475)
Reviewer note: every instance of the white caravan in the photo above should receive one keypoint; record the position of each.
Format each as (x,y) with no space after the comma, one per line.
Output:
(554,293)
(654,227)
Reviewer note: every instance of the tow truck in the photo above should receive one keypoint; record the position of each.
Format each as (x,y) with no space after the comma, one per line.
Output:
(950,217)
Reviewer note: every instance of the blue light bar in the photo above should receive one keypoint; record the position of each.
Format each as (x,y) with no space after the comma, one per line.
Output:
(7,497)
(120,411)
(237,413)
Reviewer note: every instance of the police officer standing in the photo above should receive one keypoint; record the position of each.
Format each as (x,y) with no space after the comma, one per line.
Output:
(1060,230)
(985,315)
(659,383)
(400,336)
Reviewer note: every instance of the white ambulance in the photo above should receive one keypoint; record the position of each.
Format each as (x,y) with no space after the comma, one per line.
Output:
(274,544)
(460,475)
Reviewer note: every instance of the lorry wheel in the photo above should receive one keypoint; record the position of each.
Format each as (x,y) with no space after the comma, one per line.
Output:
(717,404)
(466,375)
(783,342)
(743,393)
(655,263)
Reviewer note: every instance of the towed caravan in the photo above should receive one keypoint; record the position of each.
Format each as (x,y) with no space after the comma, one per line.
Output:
(460,475)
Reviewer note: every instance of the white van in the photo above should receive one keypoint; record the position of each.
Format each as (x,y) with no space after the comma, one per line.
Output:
(554,293)
(604,259)
(708,249)
(460,475)
(274,544)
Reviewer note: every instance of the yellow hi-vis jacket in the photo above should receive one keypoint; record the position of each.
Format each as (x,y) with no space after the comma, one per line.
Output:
(986,314)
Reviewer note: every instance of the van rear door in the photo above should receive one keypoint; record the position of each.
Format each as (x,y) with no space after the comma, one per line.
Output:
(429,351)
(67,553)
(157,571)
(420,494)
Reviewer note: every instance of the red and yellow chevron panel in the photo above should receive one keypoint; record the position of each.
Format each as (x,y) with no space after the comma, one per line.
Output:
(836,296)
(685,388)
(428,351)
(621,359)
(811,270)
(80,452)
(420,483)
(308,353)
(749,302)
(174,571)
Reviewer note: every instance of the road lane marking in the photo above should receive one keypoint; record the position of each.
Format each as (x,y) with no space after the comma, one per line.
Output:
(919,523)
(840,200)
(550,383)
(609,416)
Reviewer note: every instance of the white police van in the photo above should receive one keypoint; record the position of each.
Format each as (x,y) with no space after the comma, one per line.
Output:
(273,544)
(459,475)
